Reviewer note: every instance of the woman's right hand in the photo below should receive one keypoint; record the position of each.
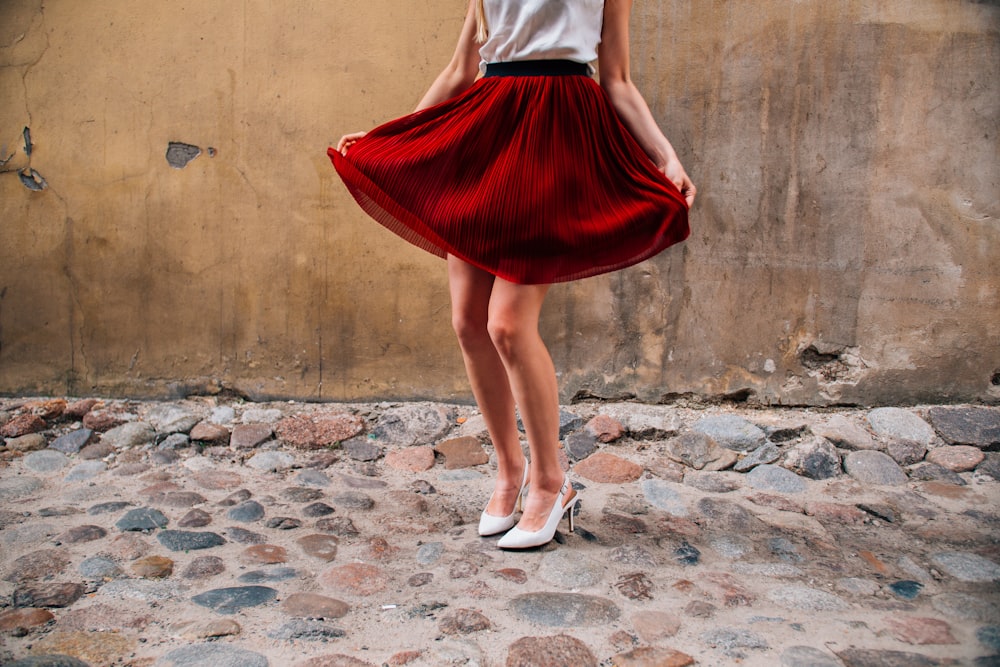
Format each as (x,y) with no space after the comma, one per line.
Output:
(348,140)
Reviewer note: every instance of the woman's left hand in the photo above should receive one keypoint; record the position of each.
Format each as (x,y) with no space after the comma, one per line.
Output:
(348,140)
(674,170)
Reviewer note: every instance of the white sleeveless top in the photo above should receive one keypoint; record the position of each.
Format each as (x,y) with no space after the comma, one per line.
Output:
(542,30)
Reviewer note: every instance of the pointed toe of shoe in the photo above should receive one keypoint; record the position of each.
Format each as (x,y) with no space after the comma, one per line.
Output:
(492,525)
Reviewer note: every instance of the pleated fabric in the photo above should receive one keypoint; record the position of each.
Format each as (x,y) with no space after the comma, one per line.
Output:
(532,178)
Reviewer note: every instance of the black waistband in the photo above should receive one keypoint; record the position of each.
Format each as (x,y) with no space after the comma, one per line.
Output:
(537,68)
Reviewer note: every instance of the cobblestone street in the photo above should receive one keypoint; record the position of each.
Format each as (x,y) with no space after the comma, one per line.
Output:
(226,533)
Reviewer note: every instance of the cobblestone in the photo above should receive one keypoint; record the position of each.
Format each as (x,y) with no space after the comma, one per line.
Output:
(695,542)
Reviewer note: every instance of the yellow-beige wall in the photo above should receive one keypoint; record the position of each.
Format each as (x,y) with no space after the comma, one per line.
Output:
(845,244)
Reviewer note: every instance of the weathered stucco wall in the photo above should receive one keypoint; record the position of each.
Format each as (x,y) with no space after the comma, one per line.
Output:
(845,245)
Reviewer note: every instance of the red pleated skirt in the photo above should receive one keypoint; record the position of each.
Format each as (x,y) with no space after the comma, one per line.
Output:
(532,178)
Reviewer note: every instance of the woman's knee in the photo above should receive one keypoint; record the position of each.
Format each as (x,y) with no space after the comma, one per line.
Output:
(469,328)
(506,333)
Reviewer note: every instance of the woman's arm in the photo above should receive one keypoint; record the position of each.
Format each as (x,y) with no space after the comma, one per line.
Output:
(628,101)
(459,74)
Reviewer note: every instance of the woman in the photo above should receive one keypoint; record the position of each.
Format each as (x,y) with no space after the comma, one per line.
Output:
(529,175)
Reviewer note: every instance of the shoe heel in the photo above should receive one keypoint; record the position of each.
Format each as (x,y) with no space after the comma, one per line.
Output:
(571,525)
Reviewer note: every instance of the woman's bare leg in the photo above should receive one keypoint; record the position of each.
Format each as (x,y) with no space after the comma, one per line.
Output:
(471,289)
(513,327)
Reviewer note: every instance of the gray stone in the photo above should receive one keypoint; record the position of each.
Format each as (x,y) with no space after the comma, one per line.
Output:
(979,427)
(51,660)
(645,422)
(430,552)
(558,651)
(661,495)
(316,510)
(989,636)
(462,475)
(769,477)
(775,570)
(274,574)
(98,567)
(306,629)
(129,434)
(570,570)
(871,467)
(181,540)
(168,418)
(815,458)
(211,655)
(18,487)
(845,433)
(174,441)
(926,472)
(905,452)
(144,590)
(631,554)
(354,500)
(807,656)
(261,415)
(580,445)
(246,512)
(222,414)
(967,566)
(806,599)
(731,431)
(142,519)
(271,461)
(47,460)
(571,610)
(857,586)
(729,639)
(412,424)
(361,448)
(314,478)
(967,607)
(714,482)
(694,449)
(857,657)
(732,547)
(232,600)
(86,470)
(767,453)
(72,442)
(899,424)
(729,516)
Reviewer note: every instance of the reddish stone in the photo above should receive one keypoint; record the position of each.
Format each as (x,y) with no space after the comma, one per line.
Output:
(918,630)
(323,547)
(311,605)
(874,561)
(48,595)
(635,586)
(650,656)
(463,452)
(404,658)
(24,619)
(79,534)
(209,432)
(407,502)
(605,428)
(102,420)
(129,546)
(335,660)
(957,458)
(775,502)
(357,578)
(38,565)
(677,526)
(728,589)
(96,451)
(51,409)
(249,436)
(159,489)
(153,567)
(836,512)
(550,652)
(652,626)
(670,471)
(513,574)
(945,490)
(608,469)
(464,622)
(380,549)
(32,442)
(94,648)
(217,480)
(411,459)
(315,432)
(266,554)
(103,617)
(22,425)
(78,409)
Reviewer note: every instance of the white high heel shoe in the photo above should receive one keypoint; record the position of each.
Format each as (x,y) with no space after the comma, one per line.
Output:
(491,525)
(523,539)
